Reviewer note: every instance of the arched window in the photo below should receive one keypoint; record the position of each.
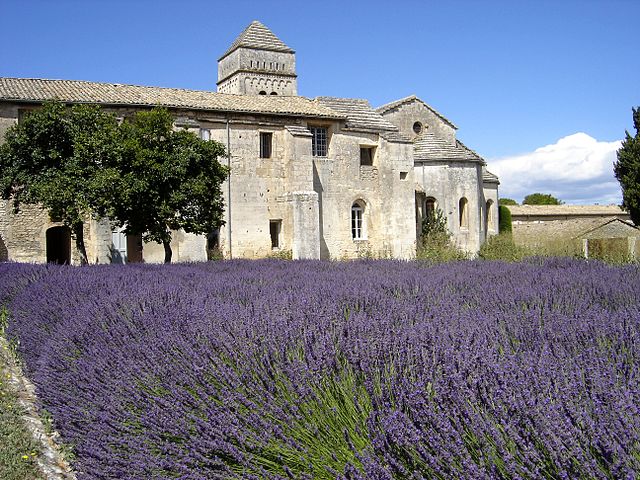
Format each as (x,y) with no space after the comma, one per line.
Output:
(274,93)
(357,220)
(429,207)
(489,216)
(463,212)
(262,92)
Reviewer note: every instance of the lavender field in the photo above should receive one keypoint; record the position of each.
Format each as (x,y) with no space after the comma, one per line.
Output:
(315,370)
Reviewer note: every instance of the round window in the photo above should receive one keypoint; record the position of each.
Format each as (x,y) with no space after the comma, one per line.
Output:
(417,128)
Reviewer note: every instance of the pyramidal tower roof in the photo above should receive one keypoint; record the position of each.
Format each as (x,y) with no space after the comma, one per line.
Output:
(256,35)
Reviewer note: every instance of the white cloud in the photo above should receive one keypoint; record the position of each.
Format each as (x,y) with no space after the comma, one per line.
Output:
(577,169)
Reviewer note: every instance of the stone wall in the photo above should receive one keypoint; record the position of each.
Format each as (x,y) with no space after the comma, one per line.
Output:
(405,115)
(447,183)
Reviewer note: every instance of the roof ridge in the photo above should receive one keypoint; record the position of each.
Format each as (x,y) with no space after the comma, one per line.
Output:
(258,36)
(391,105)
(388,106)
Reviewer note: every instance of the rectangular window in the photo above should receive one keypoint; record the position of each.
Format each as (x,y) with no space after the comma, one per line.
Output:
(205,134)
(318,141)
(366,156)
(266,139)
(275,227)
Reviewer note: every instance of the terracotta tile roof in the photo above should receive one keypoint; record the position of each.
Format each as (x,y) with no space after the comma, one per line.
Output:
(395,137)
(360,115)
(431,147)
(566,210)
(488,177)
(256,35)
(298,131)
(74,91)
(412,98)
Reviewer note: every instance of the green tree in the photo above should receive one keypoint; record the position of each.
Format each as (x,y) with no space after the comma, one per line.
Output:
(507,201)
(55,158)
(541,199)
(169,180)
(627,170)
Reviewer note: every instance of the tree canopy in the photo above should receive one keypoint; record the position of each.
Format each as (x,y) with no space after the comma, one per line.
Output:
(57,157)
(541,199)
(507,201)
(79,162)
(169,180)
(627,170)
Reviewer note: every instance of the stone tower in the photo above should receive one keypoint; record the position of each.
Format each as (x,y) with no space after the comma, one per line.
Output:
(258,63)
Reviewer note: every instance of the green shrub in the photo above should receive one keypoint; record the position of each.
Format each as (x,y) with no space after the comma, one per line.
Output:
(435,242)
(502,247)
(504,223)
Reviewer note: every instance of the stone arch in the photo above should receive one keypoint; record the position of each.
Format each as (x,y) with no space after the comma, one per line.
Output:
(488,216)
(59,245)
(463,213)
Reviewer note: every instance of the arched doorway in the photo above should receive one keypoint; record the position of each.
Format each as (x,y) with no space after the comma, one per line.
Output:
(59,245)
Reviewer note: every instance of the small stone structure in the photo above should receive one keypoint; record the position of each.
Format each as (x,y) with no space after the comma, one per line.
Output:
(320,178)
(593,230)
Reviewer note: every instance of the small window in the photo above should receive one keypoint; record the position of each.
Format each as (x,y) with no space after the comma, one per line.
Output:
(266,140)
(205,134)
(463,212)
(357,214)
(274,93)
(262,92)
(275,227)
(366,156)
(417,128)
(318,141)
(403,175)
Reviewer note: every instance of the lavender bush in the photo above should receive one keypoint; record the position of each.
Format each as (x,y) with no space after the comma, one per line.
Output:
(313,370)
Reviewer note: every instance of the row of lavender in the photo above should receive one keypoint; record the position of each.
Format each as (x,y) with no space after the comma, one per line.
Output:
(311,370)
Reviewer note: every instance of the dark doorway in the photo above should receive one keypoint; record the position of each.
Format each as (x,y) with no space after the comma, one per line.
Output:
(134,249)
(4,253)
(59,245)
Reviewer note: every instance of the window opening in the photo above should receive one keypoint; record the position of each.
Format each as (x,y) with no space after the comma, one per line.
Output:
(403,175)
(262,92)
(318,141)
(274,93)
(430,207)
(275,227)
(463,212)
(205,134)
(366,156)
(357,213)
(266,141)
(489,214)
(417,128)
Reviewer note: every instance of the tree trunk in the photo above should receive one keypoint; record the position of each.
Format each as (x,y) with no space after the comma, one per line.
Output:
(78,233)
(167,251)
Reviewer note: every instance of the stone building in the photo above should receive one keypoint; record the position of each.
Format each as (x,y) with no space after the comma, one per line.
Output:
(320,178)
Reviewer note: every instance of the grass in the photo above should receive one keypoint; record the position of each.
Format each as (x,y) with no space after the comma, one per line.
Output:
(18,449)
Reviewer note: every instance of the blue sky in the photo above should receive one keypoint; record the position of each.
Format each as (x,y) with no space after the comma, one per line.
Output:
(541,89)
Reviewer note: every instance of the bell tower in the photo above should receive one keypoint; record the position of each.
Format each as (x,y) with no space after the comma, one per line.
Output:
(258,63)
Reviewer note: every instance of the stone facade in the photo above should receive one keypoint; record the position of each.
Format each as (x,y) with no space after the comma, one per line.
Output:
(312,178)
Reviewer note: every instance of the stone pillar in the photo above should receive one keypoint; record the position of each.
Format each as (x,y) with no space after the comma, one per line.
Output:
(585,247)
(306,225)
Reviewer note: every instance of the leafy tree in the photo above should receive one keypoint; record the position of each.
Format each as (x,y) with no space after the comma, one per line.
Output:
(55,157)
(627,170)
(169,180)
(541,199)
(507,201)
